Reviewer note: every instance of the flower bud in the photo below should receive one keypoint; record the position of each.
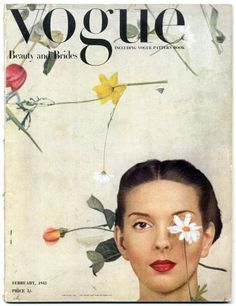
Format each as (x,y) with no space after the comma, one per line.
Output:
(52,235)
(15,76)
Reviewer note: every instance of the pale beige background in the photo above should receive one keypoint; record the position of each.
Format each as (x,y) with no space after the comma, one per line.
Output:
(190,120)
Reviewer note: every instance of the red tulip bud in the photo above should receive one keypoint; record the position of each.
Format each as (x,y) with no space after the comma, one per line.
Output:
(15,76)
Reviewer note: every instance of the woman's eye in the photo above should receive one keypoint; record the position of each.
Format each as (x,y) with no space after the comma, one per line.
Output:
(141,225)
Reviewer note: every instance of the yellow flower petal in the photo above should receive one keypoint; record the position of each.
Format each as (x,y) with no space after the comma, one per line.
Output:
(104,100)
(114,79)
(103,79)
(109,89)
(120,89)
(96,88)
(102,91)
(115,97)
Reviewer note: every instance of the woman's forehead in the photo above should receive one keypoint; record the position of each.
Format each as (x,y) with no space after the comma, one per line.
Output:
(162,196)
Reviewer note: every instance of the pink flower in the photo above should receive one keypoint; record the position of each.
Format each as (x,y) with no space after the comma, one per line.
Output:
(15,76)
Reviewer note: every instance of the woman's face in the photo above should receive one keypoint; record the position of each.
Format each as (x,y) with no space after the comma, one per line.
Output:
(146,242)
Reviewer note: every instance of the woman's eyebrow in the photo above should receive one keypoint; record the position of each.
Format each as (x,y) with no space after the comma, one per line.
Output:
(138,214)
(183,211)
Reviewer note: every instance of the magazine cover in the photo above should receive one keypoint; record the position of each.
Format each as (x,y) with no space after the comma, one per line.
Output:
(118,152)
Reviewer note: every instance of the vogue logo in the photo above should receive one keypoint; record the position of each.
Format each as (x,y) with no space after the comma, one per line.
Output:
(88,20)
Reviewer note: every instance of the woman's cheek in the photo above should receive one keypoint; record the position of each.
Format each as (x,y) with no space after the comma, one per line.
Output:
(193,255)
(137,246)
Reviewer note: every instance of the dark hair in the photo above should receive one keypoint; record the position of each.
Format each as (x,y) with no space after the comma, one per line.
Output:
(179,171)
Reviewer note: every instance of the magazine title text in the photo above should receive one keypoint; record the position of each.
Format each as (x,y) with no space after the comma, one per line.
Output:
(89,27)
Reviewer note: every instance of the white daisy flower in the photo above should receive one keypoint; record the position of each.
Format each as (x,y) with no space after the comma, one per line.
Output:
(188,231)
(102,177)
(187,35)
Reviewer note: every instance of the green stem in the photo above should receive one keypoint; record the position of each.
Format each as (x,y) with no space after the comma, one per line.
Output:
(213,268)
(150,11)
(171,17)
(99,227)
(186,265)
(143,83)
(112,115)
(97,99)
(185,63)
(13,118)
(105,142)
(74,102)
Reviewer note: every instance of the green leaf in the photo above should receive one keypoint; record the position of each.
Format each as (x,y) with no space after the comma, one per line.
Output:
(108,249)
(220,37)
(97,267)
(57,38)
(217,34)
(49,63)
(203,289)
(32,6)
(110,217)
(214,17)
(95,257)
(38,36)
(37,29)
(13,118)
(24,14)
(132,31)
(94,203)
(97,260)
(15,6)
(199,293)
(63,231)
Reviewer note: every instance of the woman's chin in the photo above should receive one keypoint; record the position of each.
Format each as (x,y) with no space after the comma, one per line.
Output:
(162,287)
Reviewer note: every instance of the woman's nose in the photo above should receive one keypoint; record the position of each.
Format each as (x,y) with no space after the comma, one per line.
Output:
(162,239)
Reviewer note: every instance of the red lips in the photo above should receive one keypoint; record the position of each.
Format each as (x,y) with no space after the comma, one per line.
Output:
(162,265)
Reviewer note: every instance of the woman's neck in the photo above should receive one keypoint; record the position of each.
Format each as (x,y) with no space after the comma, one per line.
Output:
(180,294)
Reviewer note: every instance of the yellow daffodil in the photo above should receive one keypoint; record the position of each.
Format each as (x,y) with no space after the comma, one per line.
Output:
(109,89)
